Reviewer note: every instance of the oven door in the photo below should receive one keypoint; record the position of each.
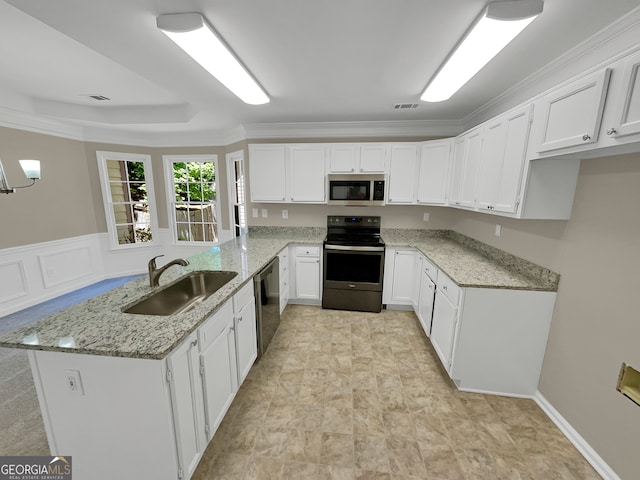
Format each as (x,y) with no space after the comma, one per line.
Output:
(353,267)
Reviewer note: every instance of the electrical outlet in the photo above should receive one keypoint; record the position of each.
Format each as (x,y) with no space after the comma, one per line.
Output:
(265,213)
(285,213)
(254,212)
(425,216)
(74,382)
(498,229)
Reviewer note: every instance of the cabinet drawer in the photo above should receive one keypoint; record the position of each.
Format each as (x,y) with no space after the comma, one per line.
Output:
(307,251)
(449,288)
(430,269)
(244,296)
(210,330)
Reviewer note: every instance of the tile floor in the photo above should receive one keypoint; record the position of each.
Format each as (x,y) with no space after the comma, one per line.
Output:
(350,395)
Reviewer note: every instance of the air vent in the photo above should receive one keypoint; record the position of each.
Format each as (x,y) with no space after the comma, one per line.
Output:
(405,106)
(100,98)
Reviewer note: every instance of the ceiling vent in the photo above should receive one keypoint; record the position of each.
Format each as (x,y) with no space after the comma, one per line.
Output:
(100,98)
(405,106)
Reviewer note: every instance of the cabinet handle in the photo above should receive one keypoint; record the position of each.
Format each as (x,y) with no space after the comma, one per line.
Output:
(239,319)
(612,131)
(444,287)
(586,137)
(194,343)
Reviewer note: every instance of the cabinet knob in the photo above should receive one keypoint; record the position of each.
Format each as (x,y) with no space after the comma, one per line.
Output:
(444,287)
(239,319)
(194,343)
(612,131)
(586,137)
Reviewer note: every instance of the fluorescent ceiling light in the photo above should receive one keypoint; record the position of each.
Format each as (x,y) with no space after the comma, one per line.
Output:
(192,33)
(499,23)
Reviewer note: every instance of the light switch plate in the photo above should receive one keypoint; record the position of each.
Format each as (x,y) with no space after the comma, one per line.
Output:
(254,212)
(285,213)
(498,230)
(425,216)
(265,213)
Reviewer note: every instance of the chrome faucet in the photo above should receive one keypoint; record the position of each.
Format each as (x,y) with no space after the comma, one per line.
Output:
(155,272)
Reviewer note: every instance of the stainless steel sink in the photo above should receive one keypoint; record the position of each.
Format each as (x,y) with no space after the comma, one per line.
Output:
(183,295)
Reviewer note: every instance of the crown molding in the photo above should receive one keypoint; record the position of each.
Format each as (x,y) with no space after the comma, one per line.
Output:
(604,47)
(35,123)
(405,128)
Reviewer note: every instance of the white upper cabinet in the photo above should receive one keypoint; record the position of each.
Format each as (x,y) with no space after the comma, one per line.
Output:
(433,171)
(624,99)
(344,158)
(373,158)
(570,116)
(268,173)
(358,157)
(307,164)
(403,174)
(503,155)
(466,162)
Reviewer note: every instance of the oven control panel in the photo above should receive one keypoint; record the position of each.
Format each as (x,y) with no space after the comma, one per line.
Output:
(340,220)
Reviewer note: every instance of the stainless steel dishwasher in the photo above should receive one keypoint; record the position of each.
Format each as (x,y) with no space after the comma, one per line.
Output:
(267,294)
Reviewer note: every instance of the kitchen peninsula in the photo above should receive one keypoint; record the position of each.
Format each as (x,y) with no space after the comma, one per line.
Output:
(132,373)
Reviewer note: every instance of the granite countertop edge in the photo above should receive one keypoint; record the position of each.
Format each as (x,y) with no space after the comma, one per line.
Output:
(471,264)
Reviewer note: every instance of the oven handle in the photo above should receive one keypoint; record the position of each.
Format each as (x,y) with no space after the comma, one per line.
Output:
(351,248)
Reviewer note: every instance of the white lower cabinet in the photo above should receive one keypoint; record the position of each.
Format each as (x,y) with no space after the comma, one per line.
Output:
(443,327)
(187,404)
(399,266)
(426,297)
(218,369)
(244,320)
(155,416)
(283,270)
(489,340)
(307,274)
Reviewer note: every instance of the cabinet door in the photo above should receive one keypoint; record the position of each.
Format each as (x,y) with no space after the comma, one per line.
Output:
(308,278)
(433,173)
(343,157)
(246,341)
(373,158)
(457,169)
(571,115)
(219,377)
(503,154)
(473,154)
(425,304)
(267,173)
(443,328)
(402,287)
(402,174)
(627,115)
(417,271)
(187,404)
(308,168)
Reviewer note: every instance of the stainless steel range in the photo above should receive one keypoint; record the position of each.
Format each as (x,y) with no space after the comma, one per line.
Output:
(353,255)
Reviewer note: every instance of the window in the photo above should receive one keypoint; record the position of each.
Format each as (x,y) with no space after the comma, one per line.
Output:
(127,190)
(192,194)
(237,197)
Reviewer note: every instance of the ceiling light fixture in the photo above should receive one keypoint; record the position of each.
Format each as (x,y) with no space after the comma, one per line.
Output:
(31,169)
(195,36)
(499,23)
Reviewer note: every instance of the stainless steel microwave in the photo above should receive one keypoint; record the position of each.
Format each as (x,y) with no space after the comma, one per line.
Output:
(356,190)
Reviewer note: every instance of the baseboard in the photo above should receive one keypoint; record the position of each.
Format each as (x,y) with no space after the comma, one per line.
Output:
(491,392)
(576,439)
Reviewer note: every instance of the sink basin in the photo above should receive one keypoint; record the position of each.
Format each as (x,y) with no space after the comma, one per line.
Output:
(183,295)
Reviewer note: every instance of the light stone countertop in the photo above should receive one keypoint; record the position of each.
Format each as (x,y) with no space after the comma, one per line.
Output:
(99,327)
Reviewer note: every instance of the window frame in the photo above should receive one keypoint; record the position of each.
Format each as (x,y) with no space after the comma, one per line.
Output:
(168,161)
(102,157)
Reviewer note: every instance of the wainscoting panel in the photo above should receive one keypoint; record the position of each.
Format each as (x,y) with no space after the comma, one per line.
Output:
(65,266)
(13,281)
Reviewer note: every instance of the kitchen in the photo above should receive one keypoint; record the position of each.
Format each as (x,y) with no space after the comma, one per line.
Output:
(595,244)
